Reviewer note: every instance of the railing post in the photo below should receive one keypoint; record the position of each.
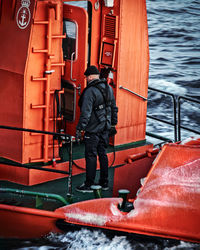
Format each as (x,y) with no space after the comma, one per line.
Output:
(179,118)
(70,167)
(174,111)
(175,119)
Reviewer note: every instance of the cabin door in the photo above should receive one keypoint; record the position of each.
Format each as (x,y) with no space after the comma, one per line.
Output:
(75,25)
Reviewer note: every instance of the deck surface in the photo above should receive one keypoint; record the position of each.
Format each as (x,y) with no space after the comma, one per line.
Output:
(54,187)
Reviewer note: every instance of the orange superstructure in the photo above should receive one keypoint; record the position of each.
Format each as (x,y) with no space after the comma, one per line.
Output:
(45,47)
(30,67)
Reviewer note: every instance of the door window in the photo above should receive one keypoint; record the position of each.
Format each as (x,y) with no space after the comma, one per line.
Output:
(69,43)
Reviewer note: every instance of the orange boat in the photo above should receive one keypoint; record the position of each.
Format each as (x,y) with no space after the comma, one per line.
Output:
(45,47)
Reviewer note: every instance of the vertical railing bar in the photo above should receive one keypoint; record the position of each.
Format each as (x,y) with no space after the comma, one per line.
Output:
(175,119)
(179,118)
(179,114)
(70,167)
(174,109)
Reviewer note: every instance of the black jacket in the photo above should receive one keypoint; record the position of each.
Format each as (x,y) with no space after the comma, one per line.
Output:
(96,115)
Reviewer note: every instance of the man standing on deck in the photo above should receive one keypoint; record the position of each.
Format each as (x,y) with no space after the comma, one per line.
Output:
(98,119)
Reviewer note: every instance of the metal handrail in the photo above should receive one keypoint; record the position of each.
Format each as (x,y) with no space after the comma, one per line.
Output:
(35,194)
(174,124)
(177,121)
(132,92)
(179,116)
(65,137)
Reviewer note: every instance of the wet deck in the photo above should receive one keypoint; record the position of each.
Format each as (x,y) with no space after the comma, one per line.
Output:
(59,187)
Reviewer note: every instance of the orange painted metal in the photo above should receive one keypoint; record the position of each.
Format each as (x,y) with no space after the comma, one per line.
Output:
(132,71)
(45,68)
(167,206)
(20,222)
(30,72)
(25,100)
(13,49)
(32,67)
(150,153)
(32,177)
(129,176)
(74,69)
(125,29)
(192,142)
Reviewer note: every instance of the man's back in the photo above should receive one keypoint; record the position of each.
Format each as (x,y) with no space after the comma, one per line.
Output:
(98,107)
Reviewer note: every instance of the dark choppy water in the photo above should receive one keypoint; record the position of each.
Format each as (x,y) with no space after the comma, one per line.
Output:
(174,37)
(85,239)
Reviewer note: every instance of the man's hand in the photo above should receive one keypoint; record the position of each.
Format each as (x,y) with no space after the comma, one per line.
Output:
(112,131)
(78,135)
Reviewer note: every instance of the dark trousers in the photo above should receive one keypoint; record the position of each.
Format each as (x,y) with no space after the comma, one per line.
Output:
(96,144)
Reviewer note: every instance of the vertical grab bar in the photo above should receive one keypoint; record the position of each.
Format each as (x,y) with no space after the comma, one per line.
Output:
(71,70)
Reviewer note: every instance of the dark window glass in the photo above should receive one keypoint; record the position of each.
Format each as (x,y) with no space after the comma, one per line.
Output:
(69,43)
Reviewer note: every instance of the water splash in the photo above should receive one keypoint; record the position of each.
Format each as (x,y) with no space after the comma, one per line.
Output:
(86,239)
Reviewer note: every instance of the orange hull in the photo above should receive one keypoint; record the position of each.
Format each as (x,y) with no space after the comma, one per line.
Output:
(20,222)
(167,206)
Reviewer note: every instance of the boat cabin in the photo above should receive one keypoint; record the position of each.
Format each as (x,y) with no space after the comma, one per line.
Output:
(45,47)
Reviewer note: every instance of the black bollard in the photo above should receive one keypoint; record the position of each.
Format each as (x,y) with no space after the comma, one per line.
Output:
(123,194)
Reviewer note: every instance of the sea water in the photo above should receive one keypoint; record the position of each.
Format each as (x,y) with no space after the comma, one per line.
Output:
(174,40)
(86,239)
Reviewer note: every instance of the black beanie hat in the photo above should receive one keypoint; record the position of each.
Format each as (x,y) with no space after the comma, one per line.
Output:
(91,70)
